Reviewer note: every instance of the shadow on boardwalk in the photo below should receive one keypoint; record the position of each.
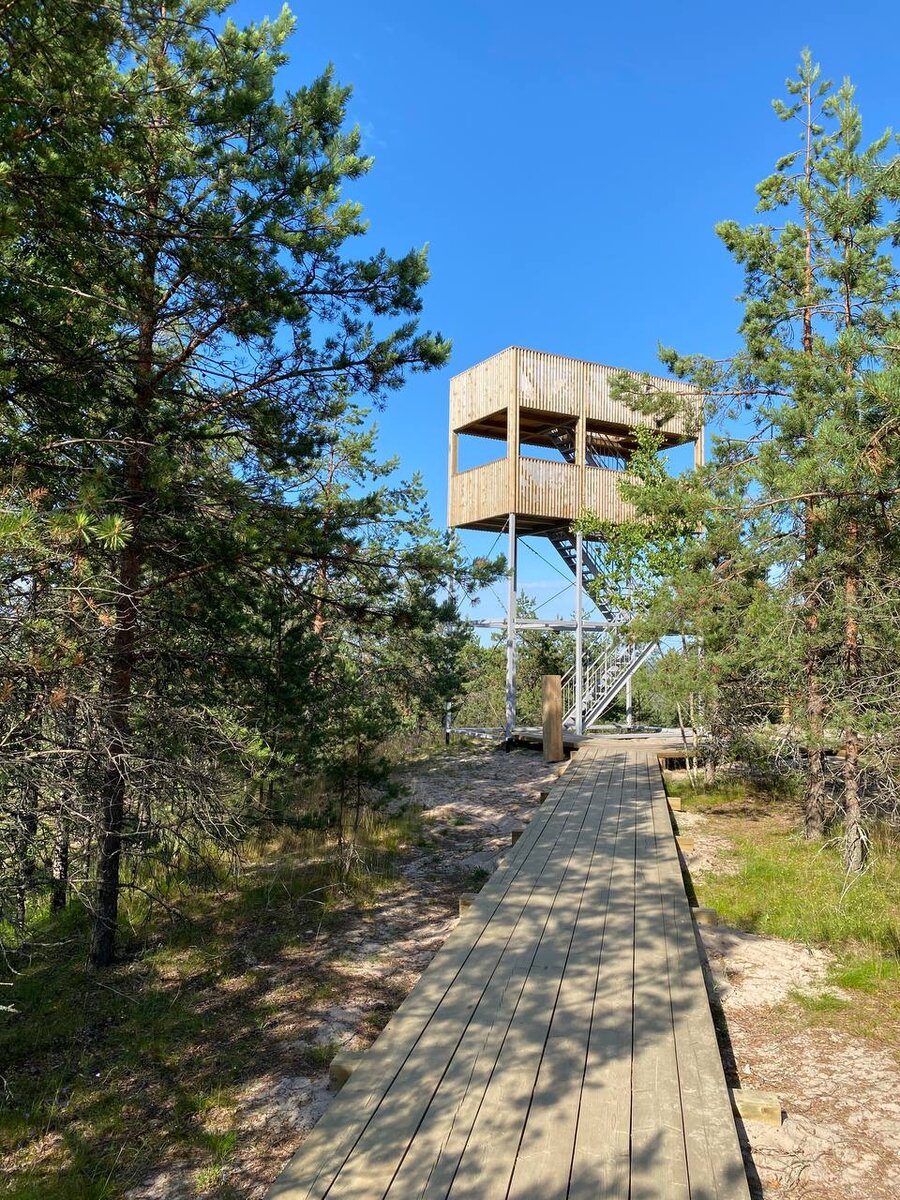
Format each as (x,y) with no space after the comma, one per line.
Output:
(561,1043)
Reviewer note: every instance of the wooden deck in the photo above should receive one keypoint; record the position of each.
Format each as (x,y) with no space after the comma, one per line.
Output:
(561,1043)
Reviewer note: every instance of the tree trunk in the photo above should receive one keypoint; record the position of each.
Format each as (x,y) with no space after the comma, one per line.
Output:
(709,769)
(112,799)
(123,653)
(318,602)
(26,831)
(59,866)
(59,870)
(854,835)
(814,800)
(121,673)
(26,813)
(689,759)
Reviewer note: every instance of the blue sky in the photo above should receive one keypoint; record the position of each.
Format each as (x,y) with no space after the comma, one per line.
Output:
(567,163)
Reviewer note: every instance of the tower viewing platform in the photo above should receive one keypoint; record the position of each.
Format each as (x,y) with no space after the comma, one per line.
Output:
(529,399)
(565,444)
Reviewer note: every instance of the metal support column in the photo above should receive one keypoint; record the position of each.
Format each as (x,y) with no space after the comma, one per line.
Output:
(579,635)
(511,635)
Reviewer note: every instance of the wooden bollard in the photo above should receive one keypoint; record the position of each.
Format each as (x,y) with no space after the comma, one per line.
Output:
(514,835)
(342,1067)
(705,916)
(551,708)
(466,900)
(750,1105)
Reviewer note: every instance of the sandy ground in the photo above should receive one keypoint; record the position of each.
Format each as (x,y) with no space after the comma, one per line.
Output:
(840,1139)
(472,798)
(840,1136)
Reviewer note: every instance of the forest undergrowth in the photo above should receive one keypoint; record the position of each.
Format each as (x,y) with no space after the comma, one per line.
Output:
(99,1073)
(773,881)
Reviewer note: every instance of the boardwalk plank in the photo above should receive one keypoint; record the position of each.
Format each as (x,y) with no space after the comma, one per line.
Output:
(600,1162)
(483,933)
(715,1166)
(376,1158)
(430,1164)
(543,1162)
(560,1046)
(658,1156)
(488,1159)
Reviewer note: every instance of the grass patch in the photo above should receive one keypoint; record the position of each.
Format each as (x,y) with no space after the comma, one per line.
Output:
(825,1002)
(730,796)
(869,974)
(474,880)
(784,886)
(109,1074)
(796,889)
(324,1055)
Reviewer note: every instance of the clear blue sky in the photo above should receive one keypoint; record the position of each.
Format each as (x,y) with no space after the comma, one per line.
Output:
(567,163)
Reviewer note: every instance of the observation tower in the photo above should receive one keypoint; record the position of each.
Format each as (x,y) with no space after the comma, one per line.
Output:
(581,441)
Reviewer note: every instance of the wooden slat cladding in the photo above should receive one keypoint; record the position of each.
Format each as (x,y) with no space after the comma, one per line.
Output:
(573,387)
(559,491)
(548,489)
(484,389)
(479,493)
(526,396)
(601,495)
(552,383)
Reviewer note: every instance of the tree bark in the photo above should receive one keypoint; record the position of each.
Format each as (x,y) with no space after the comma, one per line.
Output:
(59,870)
(709,768)
(123,652)
(26,831)
(854,834)
(814,800)
(112,800)
(59,866)
(26,813)
(814,803)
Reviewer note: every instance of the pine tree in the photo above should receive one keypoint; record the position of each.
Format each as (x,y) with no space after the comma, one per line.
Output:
(217,318)
(816,378)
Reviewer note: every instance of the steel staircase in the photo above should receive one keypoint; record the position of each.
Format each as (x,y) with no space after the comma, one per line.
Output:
(563,541)
(608,668)
(599,451)
(606,672)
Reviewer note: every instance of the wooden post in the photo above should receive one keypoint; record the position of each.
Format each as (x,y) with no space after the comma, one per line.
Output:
(699,447)
(551,686)
(629,710)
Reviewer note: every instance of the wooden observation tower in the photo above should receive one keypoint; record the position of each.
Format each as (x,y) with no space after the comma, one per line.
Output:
(581,441)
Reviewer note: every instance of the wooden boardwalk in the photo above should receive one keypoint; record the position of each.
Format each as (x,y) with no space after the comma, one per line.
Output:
(561,1043)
